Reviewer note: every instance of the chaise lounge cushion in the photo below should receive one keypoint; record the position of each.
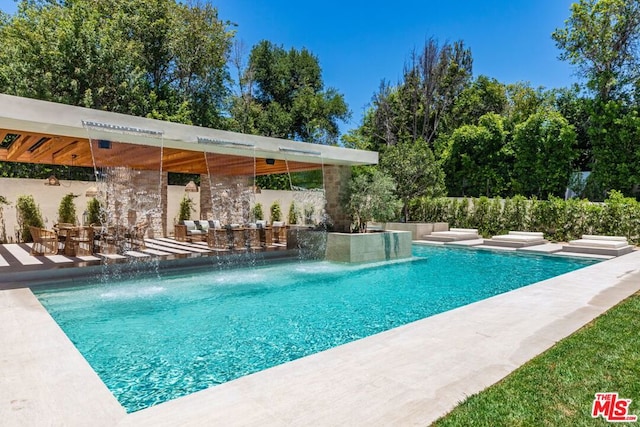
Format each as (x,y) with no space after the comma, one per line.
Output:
(192,228)
(599,243)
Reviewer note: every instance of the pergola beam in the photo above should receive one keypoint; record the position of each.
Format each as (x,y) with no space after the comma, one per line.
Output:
(136,142)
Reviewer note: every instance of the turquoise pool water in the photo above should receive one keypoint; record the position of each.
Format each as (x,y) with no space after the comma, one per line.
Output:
(156,339)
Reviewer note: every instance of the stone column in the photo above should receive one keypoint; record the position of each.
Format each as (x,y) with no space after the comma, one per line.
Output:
(336,179)
(206,208)
(164,199)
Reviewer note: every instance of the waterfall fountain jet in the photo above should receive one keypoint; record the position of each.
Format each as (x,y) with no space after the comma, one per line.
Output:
(131,199)
(309,234)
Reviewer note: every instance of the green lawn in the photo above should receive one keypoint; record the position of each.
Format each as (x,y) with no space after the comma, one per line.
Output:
(557,388)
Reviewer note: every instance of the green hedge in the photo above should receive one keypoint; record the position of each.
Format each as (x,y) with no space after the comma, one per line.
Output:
(558,219)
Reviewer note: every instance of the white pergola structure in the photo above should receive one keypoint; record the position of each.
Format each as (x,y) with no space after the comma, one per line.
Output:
(33,131)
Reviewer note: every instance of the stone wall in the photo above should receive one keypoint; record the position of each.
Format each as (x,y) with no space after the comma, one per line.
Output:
(136,196)
(336,178)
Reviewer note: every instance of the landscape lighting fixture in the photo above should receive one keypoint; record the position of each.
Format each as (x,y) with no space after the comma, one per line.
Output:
(52,180)
(191,187)
(91,191)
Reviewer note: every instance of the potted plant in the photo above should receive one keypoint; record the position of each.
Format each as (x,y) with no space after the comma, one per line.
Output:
(67,209)
(3,230)
(186,207)
(257,213)
(293,213)
(276,212)
(94,216)
(28,215)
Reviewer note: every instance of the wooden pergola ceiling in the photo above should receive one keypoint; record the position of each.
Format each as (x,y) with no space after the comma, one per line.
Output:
(29,147)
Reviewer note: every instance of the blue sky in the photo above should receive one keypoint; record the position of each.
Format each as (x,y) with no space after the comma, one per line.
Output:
(359,43)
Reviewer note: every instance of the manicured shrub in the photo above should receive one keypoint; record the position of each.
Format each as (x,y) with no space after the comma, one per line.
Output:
(94,210)
(558,219)
(67,209)
(186,207)
(276,211)
(257,213)
(515,213)
(3,228)
(293,213)
(28,215)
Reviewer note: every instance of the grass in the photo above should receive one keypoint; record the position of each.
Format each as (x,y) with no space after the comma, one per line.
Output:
(557,387)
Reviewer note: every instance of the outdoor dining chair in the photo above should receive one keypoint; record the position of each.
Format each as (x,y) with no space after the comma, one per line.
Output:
(44,241)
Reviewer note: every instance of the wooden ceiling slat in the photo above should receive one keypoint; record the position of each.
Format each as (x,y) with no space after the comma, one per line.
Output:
(45,152)
(78,152)
(20,146)
(68,150)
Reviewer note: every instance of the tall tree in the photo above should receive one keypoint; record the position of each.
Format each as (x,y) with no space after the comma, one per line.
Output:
(415,108)
(477,161)
(415,171)
(156,58)
(576,108)
(543,147)
(485,95)
(522,102)
(282,94)
(601,38)
(615,132)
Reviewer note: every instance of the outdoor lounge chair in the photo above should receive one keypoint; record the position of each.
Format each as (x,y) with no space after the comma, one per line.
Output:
(599,245)
(517,239)
(44,241)
(453,235)
(80,242)
(188,230)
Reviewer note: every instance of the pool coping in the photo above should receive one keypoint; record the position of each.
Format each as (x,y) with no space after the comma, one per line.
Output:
(408,375)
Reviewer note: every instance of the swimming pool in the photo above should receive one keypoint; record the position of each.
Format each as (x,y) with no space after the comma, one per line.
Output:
(152,340)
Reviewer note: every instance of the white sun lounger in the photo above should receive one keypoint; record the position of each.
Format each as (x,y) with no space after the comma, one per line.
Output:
(517,239)
(453,235)
(599,245)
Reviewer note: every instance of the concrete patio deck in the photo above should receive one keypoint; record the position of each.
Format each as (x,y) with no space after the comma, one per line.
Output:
(410,375)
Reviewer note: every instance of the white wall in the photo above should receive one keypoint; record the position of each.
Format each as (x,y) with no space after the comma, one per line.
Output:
(48,199)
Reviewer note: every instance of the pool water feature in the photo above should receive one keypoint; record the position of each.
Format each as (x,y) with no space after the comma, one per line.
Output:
(153,340)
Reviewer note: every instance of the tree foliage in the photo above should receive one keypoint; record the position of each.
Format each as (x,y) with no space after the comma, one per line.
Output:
(152,58)
(601,38)
(371,197)
(415,171)
(615,132)
(577,109)
(484,95)
(282,94)
(543,148)
(414,109)
(477,159)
